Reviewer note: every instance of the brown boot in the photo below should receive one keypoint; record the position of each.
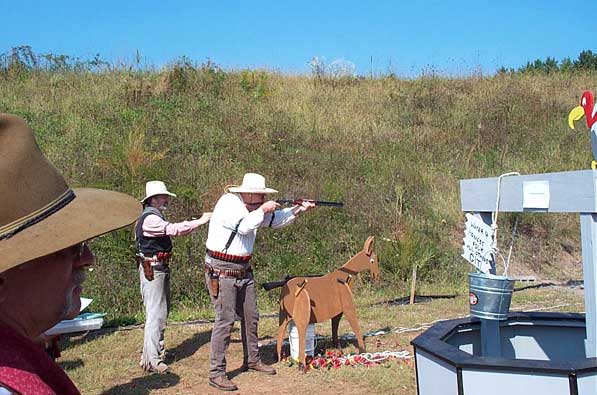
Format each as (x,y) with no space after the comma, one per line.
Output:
(161,368)
(222,383)
(259,367)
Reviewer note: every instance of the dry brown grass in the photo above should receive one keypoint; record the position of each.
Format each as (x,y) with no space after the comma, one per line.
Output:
(108,363)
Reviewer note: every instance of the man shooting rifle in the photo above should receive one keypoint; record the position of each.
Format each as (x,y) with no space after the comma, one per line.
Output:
(228,272)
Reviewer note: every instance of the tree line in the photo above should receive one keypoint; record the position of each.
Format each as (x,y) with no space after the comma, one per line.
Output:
(23,59)
(586,61)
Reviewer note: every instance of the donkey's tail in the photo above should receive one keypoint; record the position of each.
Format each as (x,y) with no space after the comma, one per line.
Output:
(274,284)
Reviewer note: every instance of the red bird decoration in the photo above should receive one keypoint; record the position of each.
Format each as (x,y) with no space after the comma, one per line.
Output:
(589,111)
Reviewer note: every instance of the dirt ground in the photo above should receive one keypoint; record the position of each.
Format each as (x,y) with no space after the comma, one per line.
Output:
(106,362)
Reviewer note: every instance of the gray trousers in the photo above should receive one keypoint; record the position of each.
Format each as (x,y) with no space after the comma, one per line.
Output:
(156,299)
(236,298)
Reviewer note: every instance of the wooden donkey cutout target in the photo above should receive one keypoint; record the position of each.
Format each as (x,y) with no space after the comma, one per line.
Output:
(308,300)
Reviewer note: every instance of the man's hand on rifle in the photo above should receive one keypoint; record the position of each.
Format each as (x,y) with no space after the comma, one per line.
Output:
(269,206)
(305,205)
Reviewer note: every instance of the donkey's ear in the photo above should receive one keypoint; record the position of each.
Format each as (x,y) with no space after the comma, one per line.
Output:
(368,248)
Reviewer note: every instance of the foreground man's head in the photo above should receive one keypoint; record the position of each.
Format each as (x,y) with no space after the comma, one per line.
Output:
(43,226)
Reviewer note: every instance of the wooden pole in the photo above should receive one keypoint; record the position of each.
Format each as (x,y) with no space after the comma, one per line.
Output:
(413,285)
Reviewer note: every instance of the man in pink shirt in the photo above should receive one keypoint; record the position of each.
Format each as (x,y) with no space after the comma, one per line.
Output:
(43,256)
(154,251)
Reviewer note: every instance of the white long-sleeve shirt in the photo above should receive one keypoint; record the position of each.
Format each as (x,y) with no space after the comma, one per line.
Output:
(229,210)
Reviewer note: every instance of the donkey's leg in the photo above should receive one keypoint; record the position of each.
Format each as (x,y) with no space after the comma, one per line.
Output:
(335,324)
(283,319)
(301,314)
(350,312)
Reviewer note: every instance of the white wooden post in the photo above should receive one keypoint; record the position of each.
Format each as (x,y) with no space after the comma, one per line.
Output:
(588,233)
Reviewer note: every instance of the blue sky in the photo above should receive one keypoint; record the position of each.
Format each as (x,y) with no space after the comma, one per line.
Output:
(451,37)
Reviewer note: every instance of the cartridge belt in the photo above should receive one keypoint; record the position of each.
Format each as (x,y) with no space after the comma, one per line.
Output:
(240,273)
(228,257)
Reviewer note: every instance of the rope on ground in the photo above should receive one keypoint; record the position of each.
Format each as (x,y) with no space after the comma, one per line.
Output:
(347,336)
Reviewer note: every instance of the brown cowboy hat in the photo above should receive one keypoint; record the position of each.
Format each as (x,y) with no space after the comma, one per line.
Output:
(39,213)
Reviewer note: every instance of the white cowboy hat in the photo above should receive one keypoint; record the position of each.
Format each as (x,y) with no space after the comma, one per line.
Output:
(153,188)
(40,214)
(252,183)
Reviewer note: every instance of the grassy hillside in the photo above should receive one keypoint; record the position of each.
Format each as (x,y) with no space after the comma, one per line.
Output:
(393,150)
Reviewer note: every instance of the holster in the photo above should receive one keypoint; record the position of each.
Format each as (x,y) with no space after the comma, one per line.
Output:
(214,284)
(147,268)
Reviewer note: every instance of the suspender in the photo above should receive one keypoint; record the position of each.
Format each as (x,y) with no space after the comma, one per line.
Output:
(235,231)
(232,235)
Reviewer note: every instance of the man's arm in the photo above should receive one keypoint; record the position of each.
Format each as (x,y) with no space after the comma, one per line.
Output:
(304,206)
(279,218)
(235,213)
(251,221)
(284,217)
(231,212)
(154,226)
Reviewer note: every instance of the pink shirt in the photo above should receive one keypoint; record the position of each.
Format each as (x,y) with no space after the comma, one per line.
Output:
(154,226)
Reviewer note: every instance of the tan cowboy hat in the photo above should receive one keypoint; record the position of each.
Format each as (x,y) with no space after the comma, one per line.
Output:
(252,183)
(39,213)
(153,188)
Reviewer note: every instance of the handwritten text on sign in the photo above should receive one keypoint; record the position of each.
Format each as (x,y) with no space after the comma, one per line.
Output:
(478,239)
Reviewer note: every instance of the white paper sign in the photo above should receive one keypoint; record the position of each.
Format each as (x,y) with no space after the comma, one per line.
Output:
(478,240)
(84,303)
(535,194)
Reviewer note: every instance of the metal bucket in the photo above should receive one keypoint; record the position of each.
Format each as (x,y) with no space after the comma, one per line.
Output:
(490,295)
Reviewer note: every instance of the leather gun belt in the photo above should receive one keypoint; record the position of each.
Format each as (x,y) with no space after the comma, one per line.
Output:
(241,273)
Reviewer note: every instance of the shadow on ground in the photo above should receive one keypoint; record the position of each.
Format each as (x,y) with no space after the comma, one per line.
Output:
(72,364)
(74,339)
(145,385)
(149,382)
(188,347)
(267,354)
(418,299)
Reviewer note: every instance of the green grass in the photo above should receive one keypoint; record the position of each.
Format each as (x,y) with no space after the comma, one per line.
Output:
(393,150)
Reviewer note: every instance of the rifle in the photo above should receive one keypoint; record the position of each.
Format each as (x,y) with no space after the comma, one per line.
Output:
(275,284)
(317,202)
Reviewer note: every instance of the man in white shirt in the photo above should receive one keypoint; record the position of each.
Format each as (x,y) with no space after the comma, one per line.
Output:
(228,272)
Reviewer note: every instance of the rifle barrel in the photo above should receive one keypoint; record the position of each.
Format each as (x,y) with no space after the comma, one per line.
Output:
(330,204)
(317,202)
